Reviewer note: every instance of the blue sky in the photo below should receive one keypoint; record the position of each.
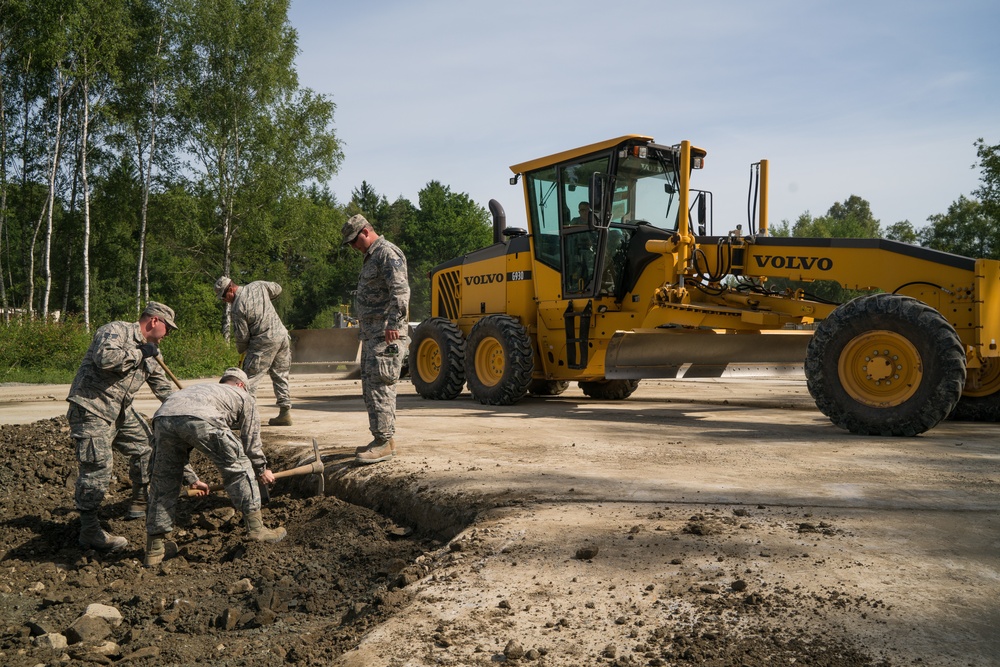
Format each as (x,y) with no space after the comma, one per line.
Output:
(880,99)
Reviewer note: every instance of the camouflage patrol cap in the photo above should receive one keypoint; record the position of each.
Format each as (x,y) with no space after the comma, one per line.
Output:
(164,312)
(235,373)
(352,227)
(221,285)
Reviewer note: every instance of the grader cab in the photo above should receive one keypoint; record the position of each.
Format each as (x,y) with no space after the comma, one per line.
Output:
(613,282)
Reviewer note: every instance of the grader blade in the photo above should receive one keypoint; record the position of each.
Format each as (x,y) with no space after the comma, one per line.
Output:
(659,353)
(335,350)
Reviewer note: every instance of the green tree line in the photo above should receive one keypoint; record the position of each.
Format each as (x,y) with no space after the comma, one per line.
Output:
(149,146)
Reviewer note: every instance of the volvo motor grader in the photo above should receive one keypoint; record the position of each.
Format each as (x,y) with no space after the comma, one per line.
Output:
(618,277)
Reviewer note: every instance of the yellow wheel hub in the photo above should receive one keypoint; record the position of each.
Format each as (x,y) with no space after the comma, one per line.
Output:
(985,381)
(881,369)
(429,360)
(490,362)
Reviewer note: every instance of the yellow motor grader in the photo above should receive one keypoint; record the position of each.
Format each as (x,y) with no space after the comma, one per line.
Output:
(618,277)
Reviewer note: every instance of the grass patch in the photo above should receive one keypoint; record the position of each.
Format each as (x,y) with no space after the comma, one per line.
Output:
(50,353)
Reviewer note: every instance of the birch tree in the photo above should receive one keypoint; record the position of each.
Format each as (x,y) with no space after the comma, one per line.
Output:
(255,136)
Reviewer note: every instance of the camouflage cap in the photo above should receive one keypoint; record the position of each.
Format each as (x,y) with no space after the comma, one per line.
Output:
(236,373)
(164,312)
(352,227)
(221,285)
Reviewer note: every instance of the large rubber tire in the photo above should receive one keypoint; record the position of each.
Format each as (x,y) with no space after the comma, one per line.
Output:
(977,409)
(499,361)
(982,403)
(885,365)
(609,390)
(437,359)
(547,387)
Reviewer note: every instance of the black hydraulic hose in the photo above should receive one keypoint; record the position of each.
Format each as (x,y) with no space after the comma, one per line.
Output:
(752,198)
(922,282)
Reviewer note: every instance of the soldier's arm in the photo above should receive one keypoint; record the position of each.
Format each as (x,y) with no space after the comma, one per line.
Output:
(116,351)
(249,425)
(394,273)
(241,332)
(273,290)
(157,380)
(190,476)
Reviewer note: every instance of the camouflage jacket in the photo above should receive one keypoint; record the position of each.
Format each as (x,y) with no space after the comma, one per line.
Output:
(255,321)
(224,406)
(383,292)
(113,371)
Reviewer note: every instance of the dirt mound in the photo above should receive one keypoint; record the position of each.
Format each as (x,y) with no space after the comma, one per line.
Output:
(223,600)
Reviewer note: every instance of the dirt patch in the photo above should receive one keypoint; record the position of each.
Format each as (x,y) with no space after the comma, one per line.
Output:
(344,571)
(225,601)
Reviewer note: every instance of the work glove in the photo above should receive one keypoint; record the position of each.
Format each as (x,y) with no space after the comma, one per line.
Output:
(149,350)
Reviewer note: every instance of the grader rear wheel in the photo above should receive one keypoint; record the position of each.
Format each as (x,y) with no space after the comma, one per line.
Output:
(885,365)
(980,402)
(499,361)
(437,359)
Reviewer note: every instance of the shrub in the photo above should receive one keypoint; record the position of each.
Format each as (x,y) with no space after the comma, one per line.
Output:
(50,353)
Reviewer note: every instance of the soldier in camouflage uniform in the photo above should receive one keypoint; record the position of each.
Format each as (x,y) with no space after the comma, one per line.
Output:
(382,304)
(203,417)
(261,338)
(101,417)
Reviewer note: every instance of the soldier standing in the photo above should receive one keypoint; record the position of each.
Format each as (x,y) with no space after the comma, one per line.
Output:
(203,417)
(101,416)
(382,301)
(261,338)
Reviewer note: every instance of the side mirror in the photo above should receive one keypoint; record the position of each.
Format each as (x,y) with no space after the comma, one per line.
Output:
(599,218)
(702,213)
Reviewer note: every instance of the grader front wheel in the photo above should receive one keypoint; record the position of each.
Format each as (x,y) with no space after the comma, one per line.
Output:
(609,390)
(499,361)
(885,365)
(547,387)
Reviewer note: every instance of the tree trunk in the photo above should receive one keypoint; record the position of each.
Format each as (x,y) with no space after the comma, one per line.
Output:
(3,196)
(86,200)
(141,270)
(57,140)
(74,192)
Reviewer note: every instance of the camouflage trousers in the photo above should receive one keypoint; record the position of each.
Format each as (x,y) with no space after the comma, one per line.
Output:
(379,374)
(173,440)
(273,357)
(95,440)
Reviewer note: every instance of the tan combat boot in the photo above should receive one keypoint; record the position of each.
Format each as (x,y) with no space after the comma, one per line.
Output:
(376,452)
(93,536)
(364,448)
(157,549)
(284,418)
(255,525)
(140,498)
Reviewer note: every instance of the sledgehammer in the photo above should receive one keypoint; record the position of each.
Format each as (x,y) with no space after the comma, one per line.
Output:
(314,468)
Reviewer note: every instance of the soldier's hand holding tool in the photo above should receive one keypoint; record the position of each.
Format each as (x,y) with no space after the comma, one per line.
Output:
(149,350)
(202,489)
